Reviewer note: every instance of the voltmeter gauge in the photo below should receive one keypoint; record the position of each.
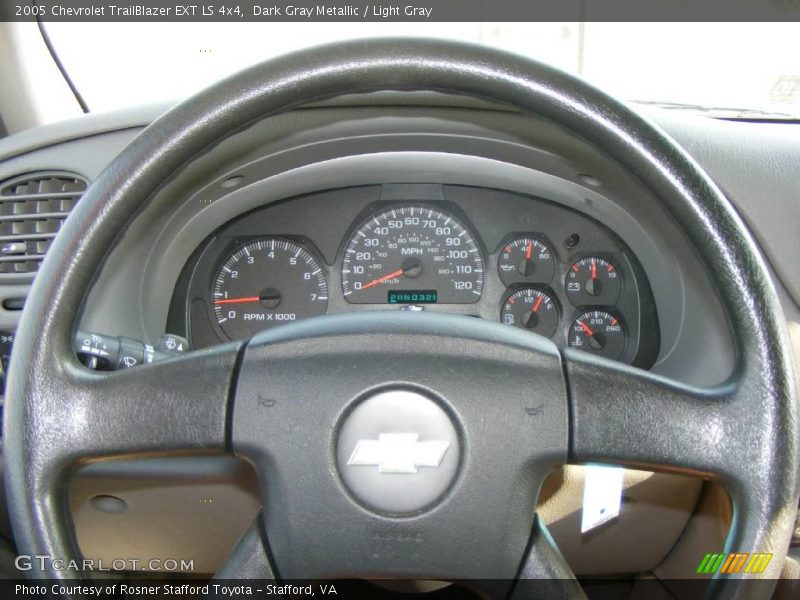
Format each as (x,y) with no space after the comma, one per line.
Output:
(531,309)
(526,259)
(265,283)
(598,332)
(593,280)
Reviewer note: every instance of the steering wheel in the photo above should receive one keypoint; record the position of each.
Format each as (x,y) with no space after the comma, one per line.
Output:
(459,419)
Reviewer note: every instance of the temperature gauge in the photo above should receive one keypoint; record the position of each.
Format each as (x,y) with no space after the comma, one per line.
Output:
(531,309)
(593,280)
(599,332)
(526,259)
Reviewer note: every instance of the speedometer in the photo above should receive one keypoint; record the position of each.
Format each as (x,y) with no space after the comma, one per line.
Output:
(410,255)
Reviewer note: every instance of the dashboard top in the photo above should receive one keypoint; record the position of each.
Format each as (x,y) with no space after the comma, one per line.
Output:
(746,158)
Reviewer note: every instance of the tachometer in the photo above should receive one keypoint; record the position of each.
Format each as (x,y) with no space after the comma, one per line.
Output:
(265,283)
(412,252)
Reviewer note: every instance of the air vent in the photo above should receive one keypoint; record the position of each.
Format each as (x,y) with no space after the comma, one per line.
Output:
(32,209)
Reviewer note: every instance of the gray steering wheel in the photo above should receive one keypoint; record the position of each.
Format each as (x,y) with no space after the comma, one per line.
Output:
(285,399)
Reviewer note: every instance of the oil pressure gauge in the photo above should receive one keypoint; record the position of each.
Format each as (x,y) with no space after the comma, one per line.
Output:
(593,280)
(526,259)
(531,309)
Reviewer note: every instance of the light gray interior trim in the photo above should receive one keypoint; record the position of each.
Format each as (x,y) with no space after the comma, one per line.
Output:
(757,165)
(97,123)
(78,128)
(10,318)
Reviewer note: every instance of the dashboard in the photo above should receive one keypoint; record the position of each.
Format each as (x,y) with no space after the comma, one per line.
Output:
(314,180)
(475,251)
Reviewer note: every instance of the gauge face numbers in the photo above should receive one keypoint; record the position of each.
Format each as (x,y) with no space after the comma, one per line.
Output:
(526,259)
(531,309)
(599,332)
(593,280)
(266,283)
(412,248)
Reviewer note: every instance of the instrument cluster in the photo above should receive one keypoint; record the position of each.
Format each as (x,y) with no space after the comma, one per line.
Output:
(492,257)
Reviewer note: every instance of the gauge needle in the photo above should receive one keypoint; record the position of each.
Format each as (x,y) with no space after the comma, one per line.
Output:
(242,300)
(594,270)
(526,266)
(380,280)
(585,327)
(537,304)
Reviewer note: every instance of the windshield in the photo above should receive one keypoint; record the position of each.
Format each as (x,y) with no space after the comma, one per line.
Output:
(747,69)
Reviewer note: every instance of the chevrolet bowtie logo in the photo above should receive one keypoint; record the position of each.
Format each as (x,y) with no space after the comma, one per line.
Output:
(398,453)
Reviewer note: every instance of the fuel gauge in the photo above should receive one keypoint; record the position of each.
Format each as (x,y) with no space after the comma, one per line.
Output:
(531,309)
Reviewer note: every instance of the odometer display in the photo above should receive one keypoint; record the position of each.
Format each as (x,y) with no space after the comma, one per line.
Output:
(412,248)
(412,297)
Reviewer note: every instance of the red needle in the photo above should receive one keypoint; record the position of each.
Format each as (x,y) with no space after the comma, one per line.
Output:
(594,270)
(529,251)
(537,304)
(379,280)
(238,300)
(585,328)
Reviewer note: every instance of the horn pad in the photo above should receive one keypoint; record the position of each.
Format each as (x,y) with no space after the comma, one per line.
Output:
(398,451)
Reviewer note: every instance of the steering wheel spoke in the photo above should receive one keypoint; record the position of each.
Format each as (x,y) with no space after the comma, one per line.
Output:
(544,572)
(249,558)
(628,416)
(175,406)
